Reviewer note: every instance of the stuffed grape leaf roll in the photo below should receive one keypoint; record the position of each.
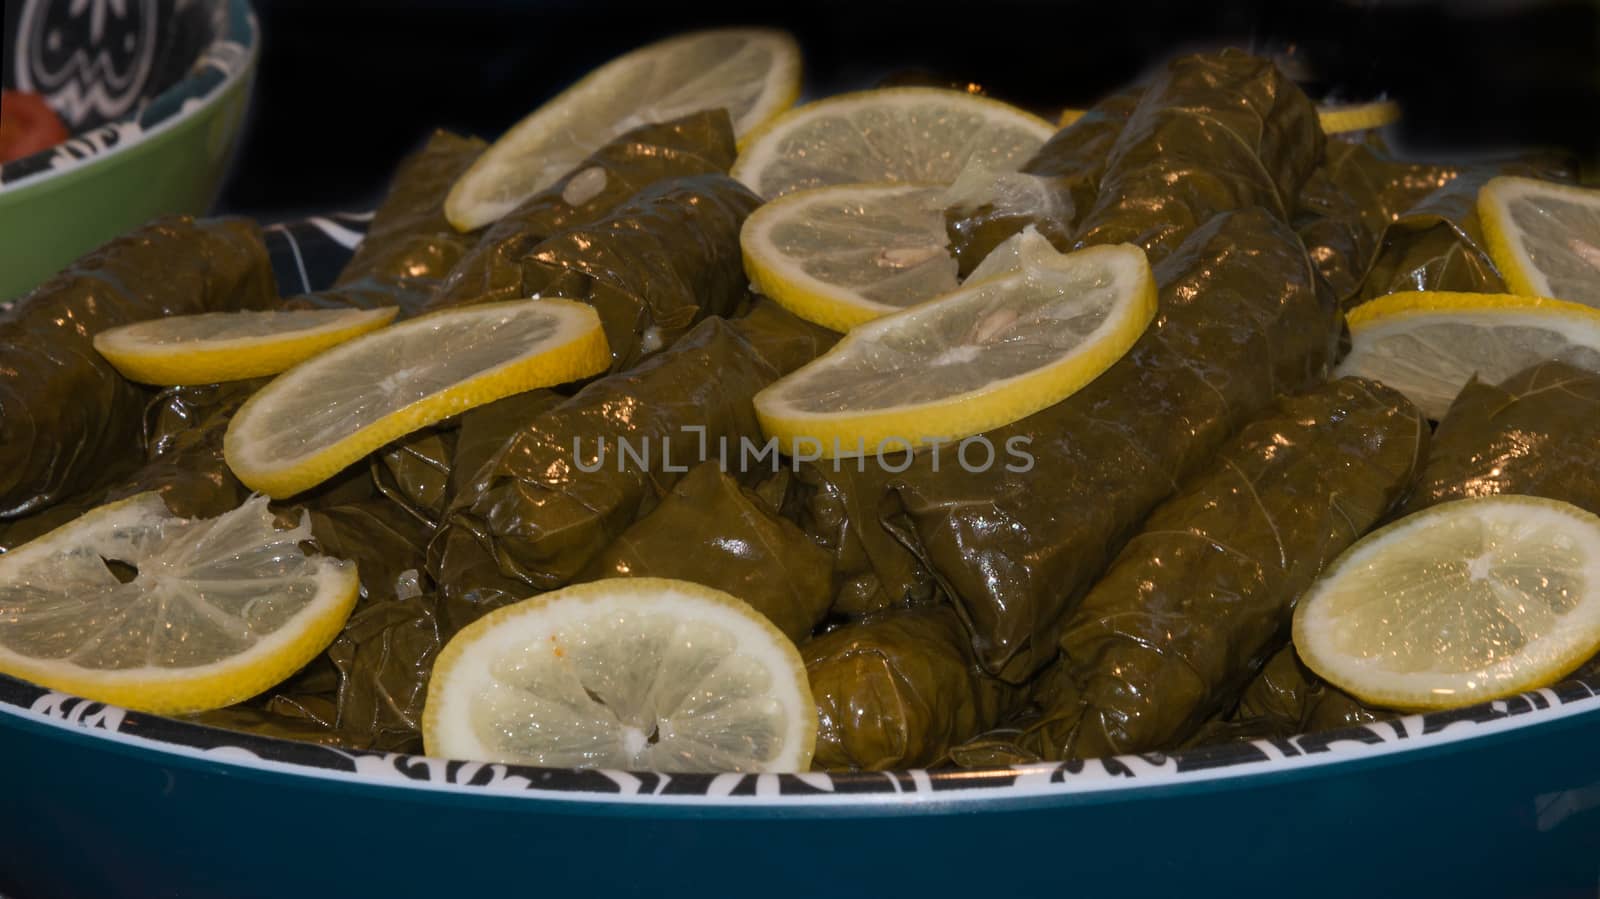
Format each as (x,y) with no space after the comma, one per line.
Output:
(423,472)
(181,460)
(366,691)
(1240,320)
(409,238)
(1534,434)
(872,571)
(652,268)
(266,716)
(384,653)
(484,430)
(336,700)
(899,690)
(1067,169)
(1537,433)
(1287,698)
(572,479)
(184,427)
(1199,599)
(997,748)
(781,338)
(414,472)
(710,530)
(697,144)
(68,420)
(1348,202)
(409,246)
(384,656)
(1212,133)
(383,541)
(1437,244)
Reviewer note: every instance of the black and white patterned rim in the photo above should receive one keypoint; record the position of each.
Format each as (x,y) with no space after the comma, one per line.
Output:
(308,254)
(229,56)
(1413,733)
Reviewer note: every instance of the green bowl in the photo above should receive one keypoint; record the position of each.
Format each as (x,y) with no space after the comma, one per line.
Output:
(155,113)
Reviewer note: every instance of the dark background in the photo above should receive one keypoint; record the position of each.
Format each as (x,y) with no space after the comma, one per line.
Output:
(347,88)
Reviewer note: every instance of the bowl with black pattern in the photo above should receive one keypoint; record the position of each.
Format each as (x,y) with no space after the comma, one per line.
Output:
(154,94)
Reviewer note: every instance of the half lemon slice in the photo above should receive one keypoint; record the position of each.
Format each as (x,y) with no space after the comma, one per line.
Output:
(1467,601)
(840,256)
(1544,237)
(625,673)
(1070,115)
(230,346)
(1334,118)
(1429,344)
(205,613)
(754,73)
(1029,328)
(1346,117)
(905,135)
(331,410)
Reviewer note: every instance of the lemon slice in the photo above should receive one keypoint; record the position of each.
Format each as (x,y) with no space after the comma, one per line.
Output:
(840,256)
(1468,601)
(1544,237)
(1030,327)
(218,610)
(1343,118)
(230,346)
(331,410)
(906,134)
(754,73)
(625,673)
(1428,345)
(1335,119)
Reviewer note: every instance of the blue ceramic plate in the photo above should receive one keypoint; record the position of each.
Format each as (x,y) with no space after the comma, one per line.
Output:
(1501,799)
(1497,800)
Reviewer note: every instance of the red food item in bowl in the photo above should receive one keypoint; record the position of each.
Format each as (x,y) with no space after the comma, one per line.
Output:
(27,125)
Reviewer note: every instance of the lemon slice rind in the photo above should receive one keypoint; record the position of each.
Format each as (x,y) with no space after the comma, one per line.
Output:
(1542,661)
(1505,240)
(782,278)
(465,671)
(1342,119)
(761,148)
(575,349)
(474,200)
(150,353)
(836,434)
(179,690)
(1339,119)
(1406,316)
(1070,115)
